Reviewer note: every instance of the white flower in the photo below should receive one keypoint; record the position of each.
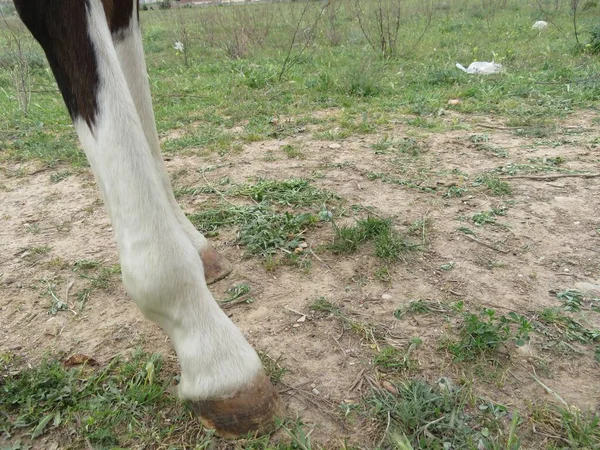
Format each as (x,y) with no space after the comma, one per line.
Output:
(178,46)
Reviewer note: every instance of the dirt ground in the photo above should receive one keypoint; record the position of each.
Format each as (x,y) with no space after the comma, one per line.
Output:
(550,242)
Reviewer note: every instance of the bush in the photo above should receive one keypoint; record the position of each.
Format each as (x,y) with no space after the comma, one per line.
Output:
(594,43)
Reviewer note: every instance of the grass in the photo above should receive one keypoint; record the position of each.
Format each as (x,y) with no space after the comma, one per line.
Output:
(388,243)
(122,404)
(281,213)
(216,90)
(422,416)
(230,92)
(485,333)
(110,406)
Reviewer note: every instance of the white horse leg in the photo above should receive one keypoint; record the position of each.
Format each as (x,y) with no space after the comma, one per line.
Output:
(221,375)
(130,53)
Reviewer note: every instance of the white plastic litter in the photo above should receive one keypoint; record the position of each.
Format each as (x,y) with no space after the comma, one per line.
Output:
(540,25)
(481,67)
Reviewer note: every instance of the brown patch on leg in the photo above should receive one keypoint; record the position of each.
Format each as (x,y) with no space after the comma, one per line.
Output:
(251,410)
(216,267)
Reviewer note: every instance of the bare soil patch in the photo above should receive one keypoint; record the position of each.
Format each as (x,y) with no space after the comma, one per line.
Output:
(548,240)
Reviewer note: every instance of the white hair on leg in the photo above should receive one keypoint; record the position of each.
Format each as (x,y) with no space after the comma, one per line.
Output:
(162,271)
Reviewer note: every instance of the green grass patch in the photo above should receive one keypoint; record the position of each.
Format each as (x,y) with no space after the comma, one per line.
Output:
(485,333)
(112,406)
(388,243)
(421,416)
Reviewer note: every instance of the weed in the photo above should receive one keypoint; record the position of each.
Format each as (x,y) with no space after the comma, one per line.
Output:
(572,298)
(266,233)
(116,405)
(560,328)
(383,274)
(273,367)
(293,192)
(421,416)
(237,294)
(60,175)
(488,217)
(33,228)
(389,245)
(448,266)
(423,307)
(454,191)
(577,429)
(466,230)
(292,152)
(493,184)
(485,333)
(392,359)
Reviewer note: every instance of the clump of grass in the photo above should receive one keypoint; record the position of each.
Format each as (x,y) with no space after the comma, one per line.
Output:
(494,184)
(273,367)
(116,405)
(420,416)
(485,333)
(560,328)
(392,359)
(570,426)
(267,233)
(485,217)
(263,228)
(293,152)
(294,192)
(364,330)
(60,175)
(389,244)
(240,293)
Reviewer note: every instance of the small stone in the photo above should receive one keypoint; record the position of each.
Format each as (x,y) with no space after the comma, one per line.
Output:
(301,319)
(303,245)
(389,387)
(335,146)
(315,391)
(386,297)
(454,101)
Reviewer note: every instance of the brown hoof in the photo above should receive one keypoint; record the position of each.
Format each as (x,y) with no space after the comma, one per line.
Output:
(251,410)
(216,266)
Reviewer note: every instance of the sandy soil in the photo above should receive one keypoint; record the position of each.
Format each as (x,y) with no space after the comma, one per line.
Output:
(550,242)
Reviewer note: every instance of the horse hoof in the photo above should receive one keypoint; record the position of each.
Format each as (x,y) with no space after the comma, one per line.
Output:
(250,410)
(216,267)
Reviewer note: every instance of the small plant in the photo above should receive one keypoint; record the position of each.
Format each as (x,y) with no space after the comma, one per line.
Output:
(389,245)
(292,152)
(572,298)
(483,334)
(488,217)
(237,294)
(60,175)
(493,184)
(420,416)
(594,42)
(108,400)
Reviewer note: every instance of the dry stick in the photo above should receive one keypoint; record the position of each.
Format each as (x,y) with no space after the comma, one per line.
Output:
(548,390)
(216,190)
(294,311)
(553,177)
(496,127)
(387,428)
(486,244)
(358,379)
(551,436)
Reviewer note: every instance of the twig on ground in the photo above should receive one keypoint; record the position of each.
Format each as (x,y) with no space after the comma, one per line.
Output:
(486,244)
(552,177)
